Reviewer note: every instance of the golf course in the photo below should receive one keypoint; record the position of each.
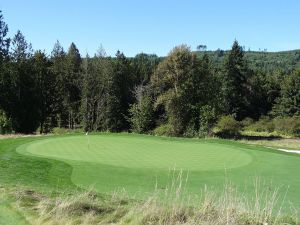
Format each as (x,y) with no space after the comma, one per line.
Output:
(149,113)
(140,163)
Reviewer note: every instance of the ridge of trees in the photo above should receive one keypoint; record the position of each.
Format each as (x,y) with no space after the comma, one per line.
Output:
(184,93)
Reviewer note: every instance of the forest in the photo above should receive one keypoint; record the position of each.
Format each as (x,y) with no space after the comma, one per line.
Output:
(187,93)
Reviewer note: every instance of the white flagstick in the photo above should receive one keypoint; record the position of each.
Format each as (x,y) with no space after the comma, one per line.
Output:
(88,140)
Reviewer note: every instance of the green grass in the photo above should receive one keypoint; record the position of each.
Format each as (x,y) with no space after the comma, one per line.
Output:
(139,163)
(8,215)
(140,152)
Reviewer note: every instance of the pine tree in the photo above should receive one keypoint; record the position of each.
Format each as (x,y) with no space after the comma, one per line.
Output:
(58,70)
(24,107)
(143,67)
(4,66)
(234,87)
(73,82)
(4,41)
(45,89)
(120,94)
(21,50)
(288,104)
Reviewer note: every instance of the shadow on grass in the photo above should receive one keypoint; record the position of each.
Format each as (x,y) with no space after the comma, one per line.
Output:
(249,137)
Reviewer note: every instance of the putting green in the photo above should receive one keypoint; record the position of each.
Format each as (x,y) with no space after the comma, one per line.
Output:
(139,152)
(140,163)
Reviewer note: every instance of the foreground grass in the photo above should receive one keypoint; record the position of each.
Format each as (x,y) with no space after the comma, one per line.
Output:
(8,214)
(161,208)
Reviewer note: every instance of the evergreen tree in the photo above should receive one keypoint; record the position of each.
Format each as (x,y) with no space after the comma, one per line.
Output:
(21,50)
(73,81)
(95,91)
(23,99)
(235,83)
(288,104)
(202,97)
(5,84)
(58,70)
(45,89)
(4,40)
(120,94)
(143,67)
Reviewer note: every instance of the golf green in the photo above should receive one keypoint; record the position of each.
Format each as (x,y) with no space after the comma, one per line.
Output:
(139,163)
(137,152)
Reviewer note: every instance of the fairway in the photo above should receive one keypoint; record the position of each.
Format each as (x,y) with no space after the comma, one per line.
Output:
(138,163)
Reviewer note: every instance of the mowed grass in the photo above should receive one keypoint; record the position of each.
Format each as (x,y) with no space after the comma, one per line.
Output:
(139,164)
(140,152)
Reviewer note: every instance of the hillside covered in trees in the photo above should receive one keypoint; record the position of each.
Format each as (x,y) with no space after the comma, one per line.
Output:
(184,94)
(280,62)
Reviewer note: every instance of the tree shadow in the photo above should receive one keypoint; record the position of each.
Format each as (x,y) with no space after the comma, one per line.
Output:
(258,138)
(250,138)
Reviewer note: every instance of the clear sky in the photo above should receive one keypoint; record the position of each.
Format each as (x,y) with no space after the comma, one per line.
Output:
(155,26)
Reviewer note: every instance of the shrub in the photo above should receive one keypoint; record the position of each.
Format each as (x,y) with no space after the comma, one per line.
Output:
(227,126)
(207,120)
(247,122)
(164,130)
(191,130)
(5,123)
(264,124)
(61,130)
(287,125)
(141,115)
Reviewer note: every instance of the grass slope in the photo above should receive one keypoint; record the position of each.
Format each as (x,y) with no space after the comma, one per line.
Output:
(139,163)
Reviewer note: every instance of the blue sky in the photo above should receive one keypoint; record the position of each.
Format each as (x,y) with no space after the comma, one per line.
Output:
(155,26)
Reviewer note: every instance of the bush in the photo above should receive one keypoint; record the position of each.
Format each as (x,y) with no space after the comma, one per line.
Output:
(247,122)
(141,115)
(191,130)
(164,130)
(264,124)
(227,127)
(278,125)
(207,120)
(287,125)
(60,130)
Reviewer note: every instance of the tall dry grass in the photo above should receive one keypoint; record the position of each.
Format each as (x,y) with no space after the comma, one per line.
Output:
(171,206)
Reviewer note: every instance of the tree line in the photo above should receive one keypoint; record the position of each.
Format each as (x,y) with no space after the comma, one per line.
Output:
(183,94)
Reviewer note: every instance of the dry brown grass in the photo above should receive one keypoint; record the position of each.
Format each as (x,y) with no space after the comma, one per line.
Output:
(285,143)
(172,206)
(5,136)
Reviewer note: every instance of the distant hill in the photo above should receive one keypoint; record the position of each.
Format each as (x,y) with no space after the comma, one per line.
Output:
(284,61)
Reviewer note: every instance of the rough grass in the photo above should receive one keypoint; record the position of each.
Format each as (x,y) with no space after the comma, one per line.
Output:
(8,214)
(285,143)
(169,207)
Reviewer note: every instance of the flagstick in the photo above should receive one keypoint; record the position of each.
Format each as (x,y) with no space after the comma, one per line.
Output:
(87,134)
